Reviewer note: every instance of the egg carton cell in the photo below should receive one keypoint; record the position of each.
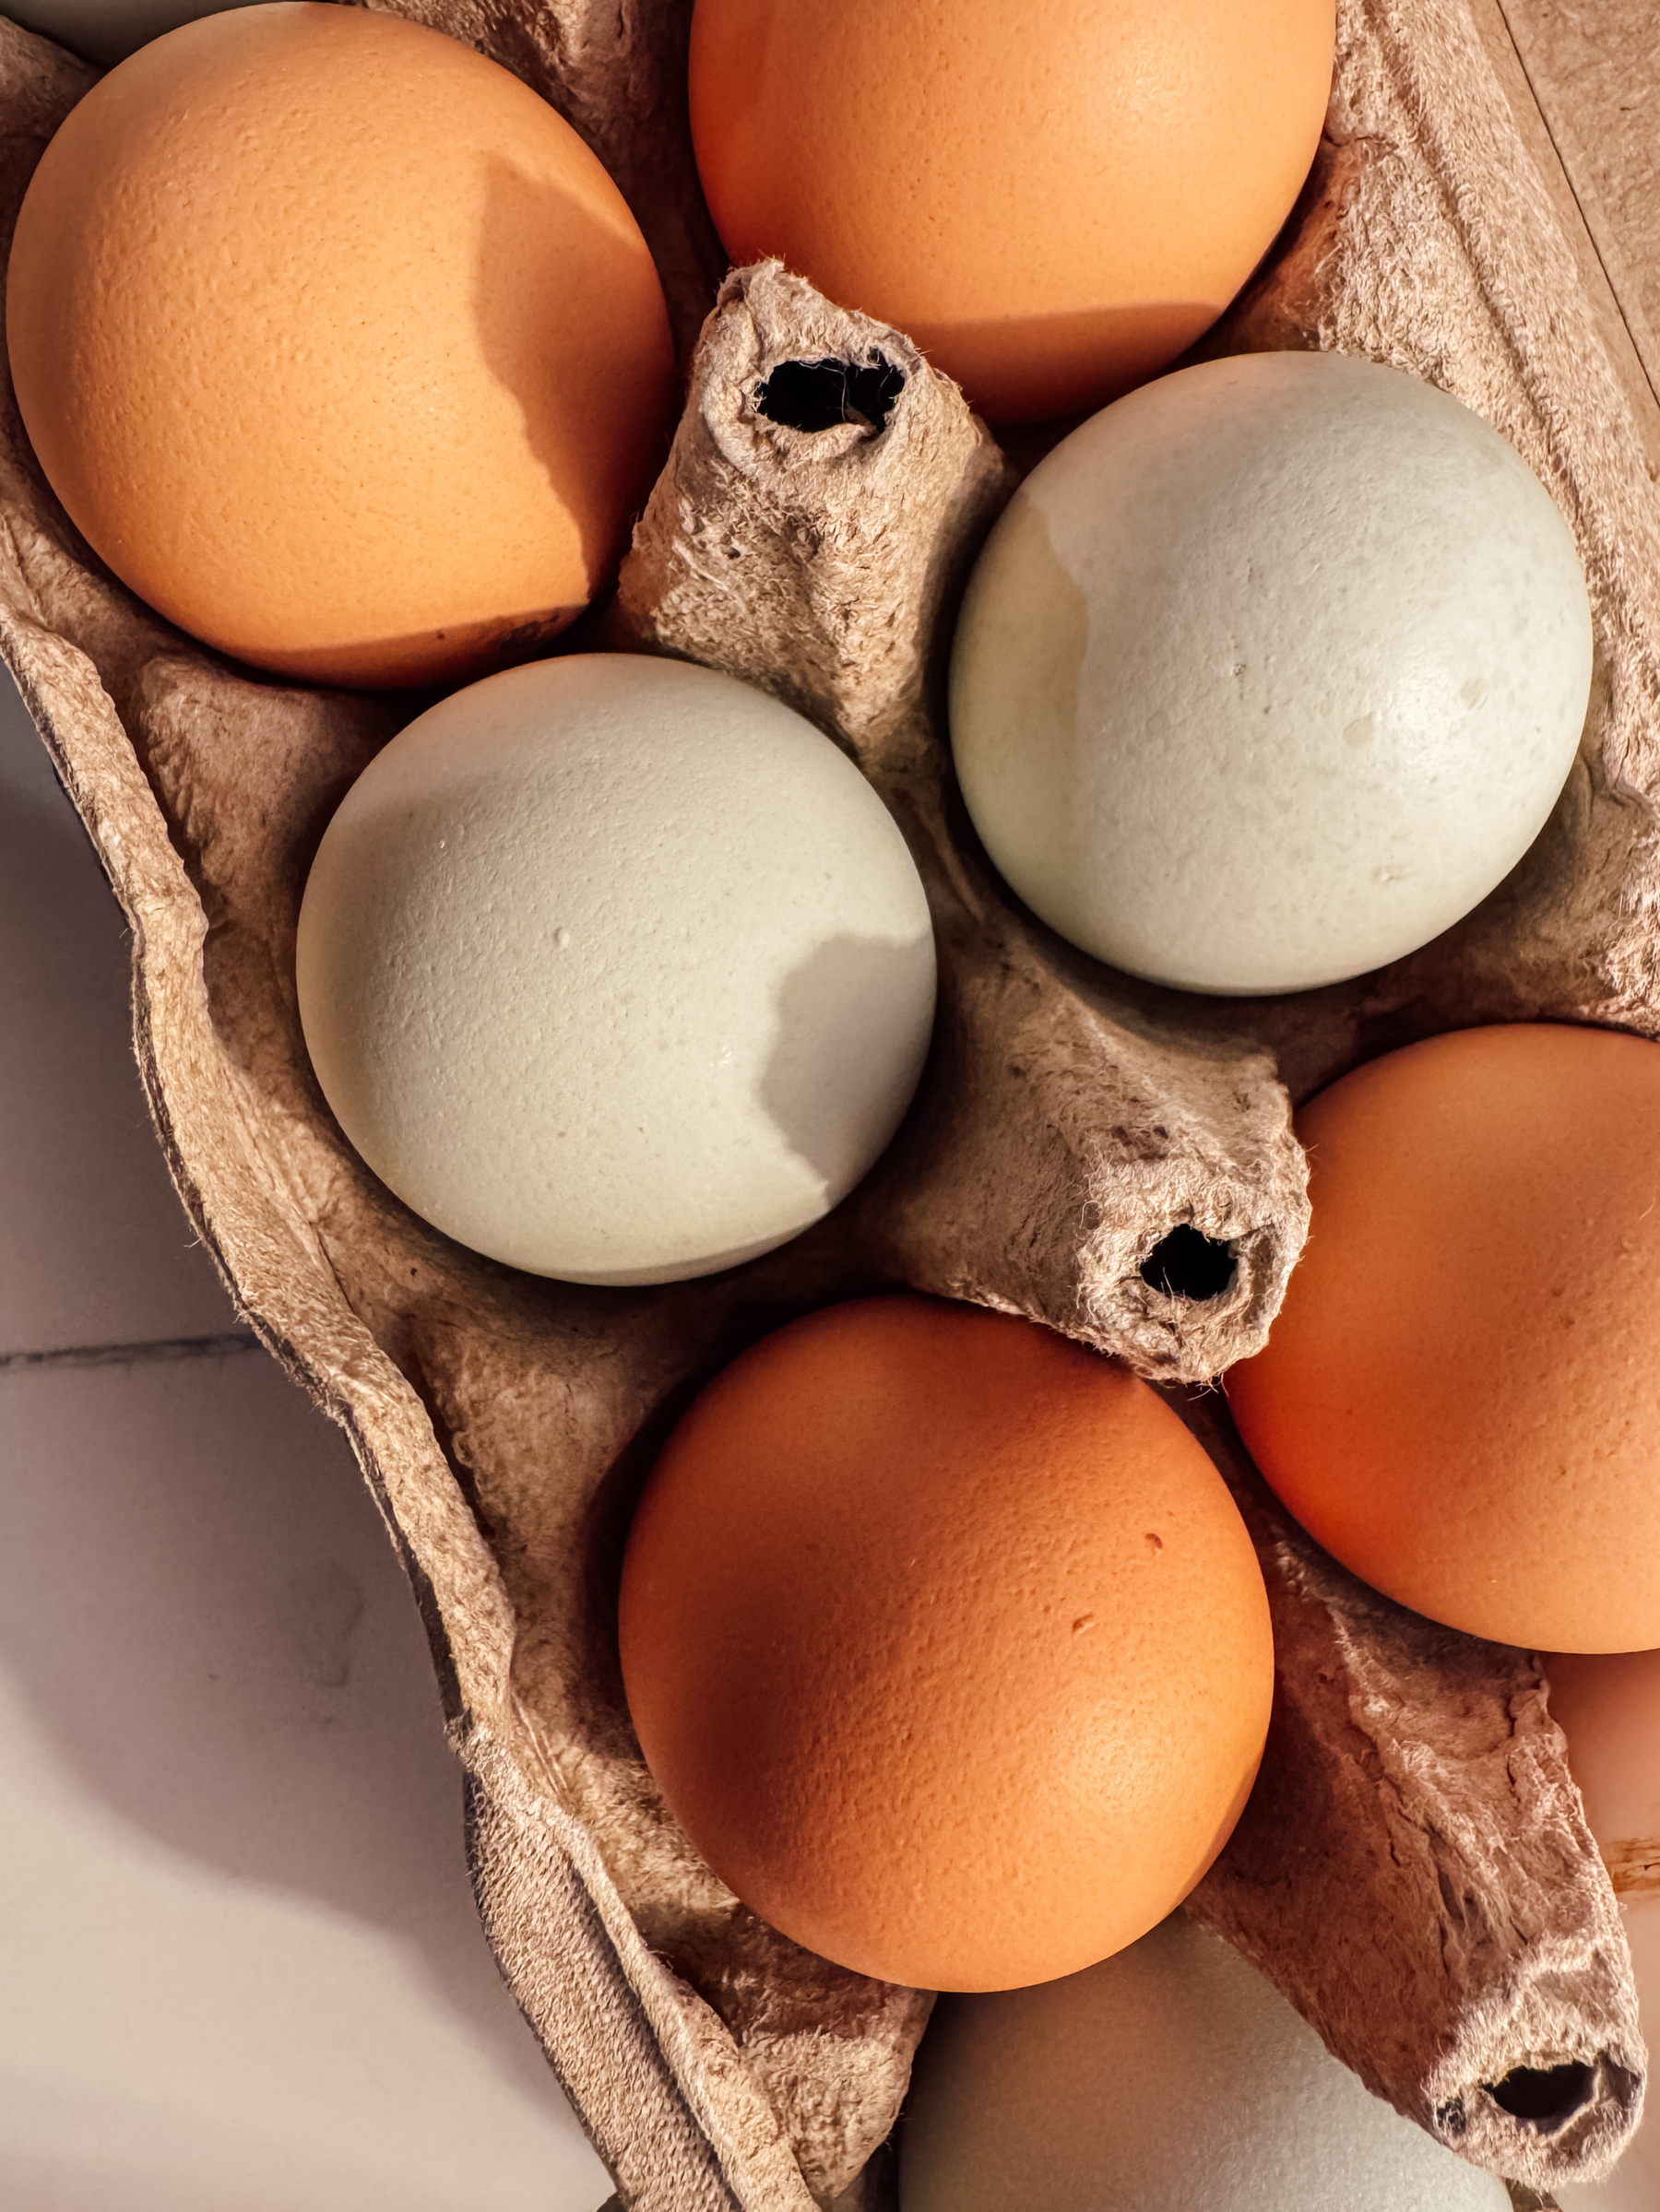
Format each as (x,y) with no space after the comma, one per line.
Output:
(1110,1158)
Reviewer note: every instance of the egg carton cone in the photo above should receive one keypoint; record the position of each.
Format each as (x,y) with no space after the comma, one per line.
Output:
(1413,1870)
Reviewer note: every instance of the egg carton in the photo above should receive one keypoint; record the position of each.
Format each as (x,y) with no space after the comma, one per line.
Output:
(1109,1157)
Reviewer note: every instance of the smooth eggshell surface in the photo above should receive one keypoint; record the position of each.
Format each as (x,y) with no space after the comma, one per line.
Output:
(945,1642)
(1269,673)
(1460,1397)
(1171,2079)
(615,969)
(1051,201)
(1609,1711)
(338,345)
(1608,1706)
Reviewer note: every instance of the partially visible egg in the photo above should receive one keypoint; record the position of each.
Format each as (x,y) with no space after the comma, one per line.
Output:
(1053,202)
(615,969)
(945,1642)
(1174,2077)
(1609,1711)
(1609,1707)
(1269,672)
(1460,1397)
(338,345)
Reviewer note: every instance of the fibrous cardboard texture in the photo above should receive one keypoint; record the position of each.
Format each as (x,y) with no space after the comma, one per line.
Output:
(1414,1871)
(1592,68)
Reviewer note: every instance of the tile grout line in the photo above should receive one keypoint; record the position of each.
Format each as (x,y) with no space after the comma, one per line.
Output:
(127,1356)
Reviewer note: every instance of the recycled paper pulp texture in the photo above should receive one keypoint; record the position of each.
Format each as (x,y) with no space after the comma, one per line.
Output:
(1449,1918)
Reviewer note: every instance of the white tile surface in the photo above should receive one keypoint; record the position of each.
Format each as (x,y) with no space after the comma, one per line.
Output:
(240,1967)
(94,1246)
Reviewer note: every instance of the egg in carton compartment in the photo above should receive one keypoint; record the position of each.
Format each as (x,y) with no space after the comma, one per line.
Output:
(1413,1870)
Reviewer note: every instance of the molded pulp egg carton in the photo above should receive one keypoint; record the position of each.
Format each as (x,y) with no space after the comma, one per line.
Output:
(1412,1870)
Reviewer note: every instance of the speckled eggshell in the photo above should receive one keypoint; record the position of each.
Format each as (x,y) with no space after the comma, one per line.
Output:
(1269,672)
(945,1643)
(615,969)
(1460,1396)
(1172,2077)
(338,345)
(1051,201)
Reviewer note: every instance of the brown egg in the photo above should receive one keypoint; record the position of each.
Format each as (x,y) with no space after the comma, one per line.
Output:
(945,1642)
(1052,201)
(338,345)
(1461,1396)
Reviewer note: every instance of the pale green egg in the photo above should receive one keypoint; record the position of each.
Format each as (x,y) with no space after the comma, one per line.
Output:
(1269,673)
(615,969)
(1172,2077)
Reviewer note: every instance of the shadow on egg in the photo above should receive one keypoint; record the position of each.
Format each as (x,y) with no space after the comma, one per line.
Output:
(583,403)
(836,1103)
(1069,364)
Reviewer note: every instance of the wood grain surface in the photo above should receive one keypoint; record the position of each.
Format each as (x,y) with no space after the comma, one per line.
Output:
(1592,68)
